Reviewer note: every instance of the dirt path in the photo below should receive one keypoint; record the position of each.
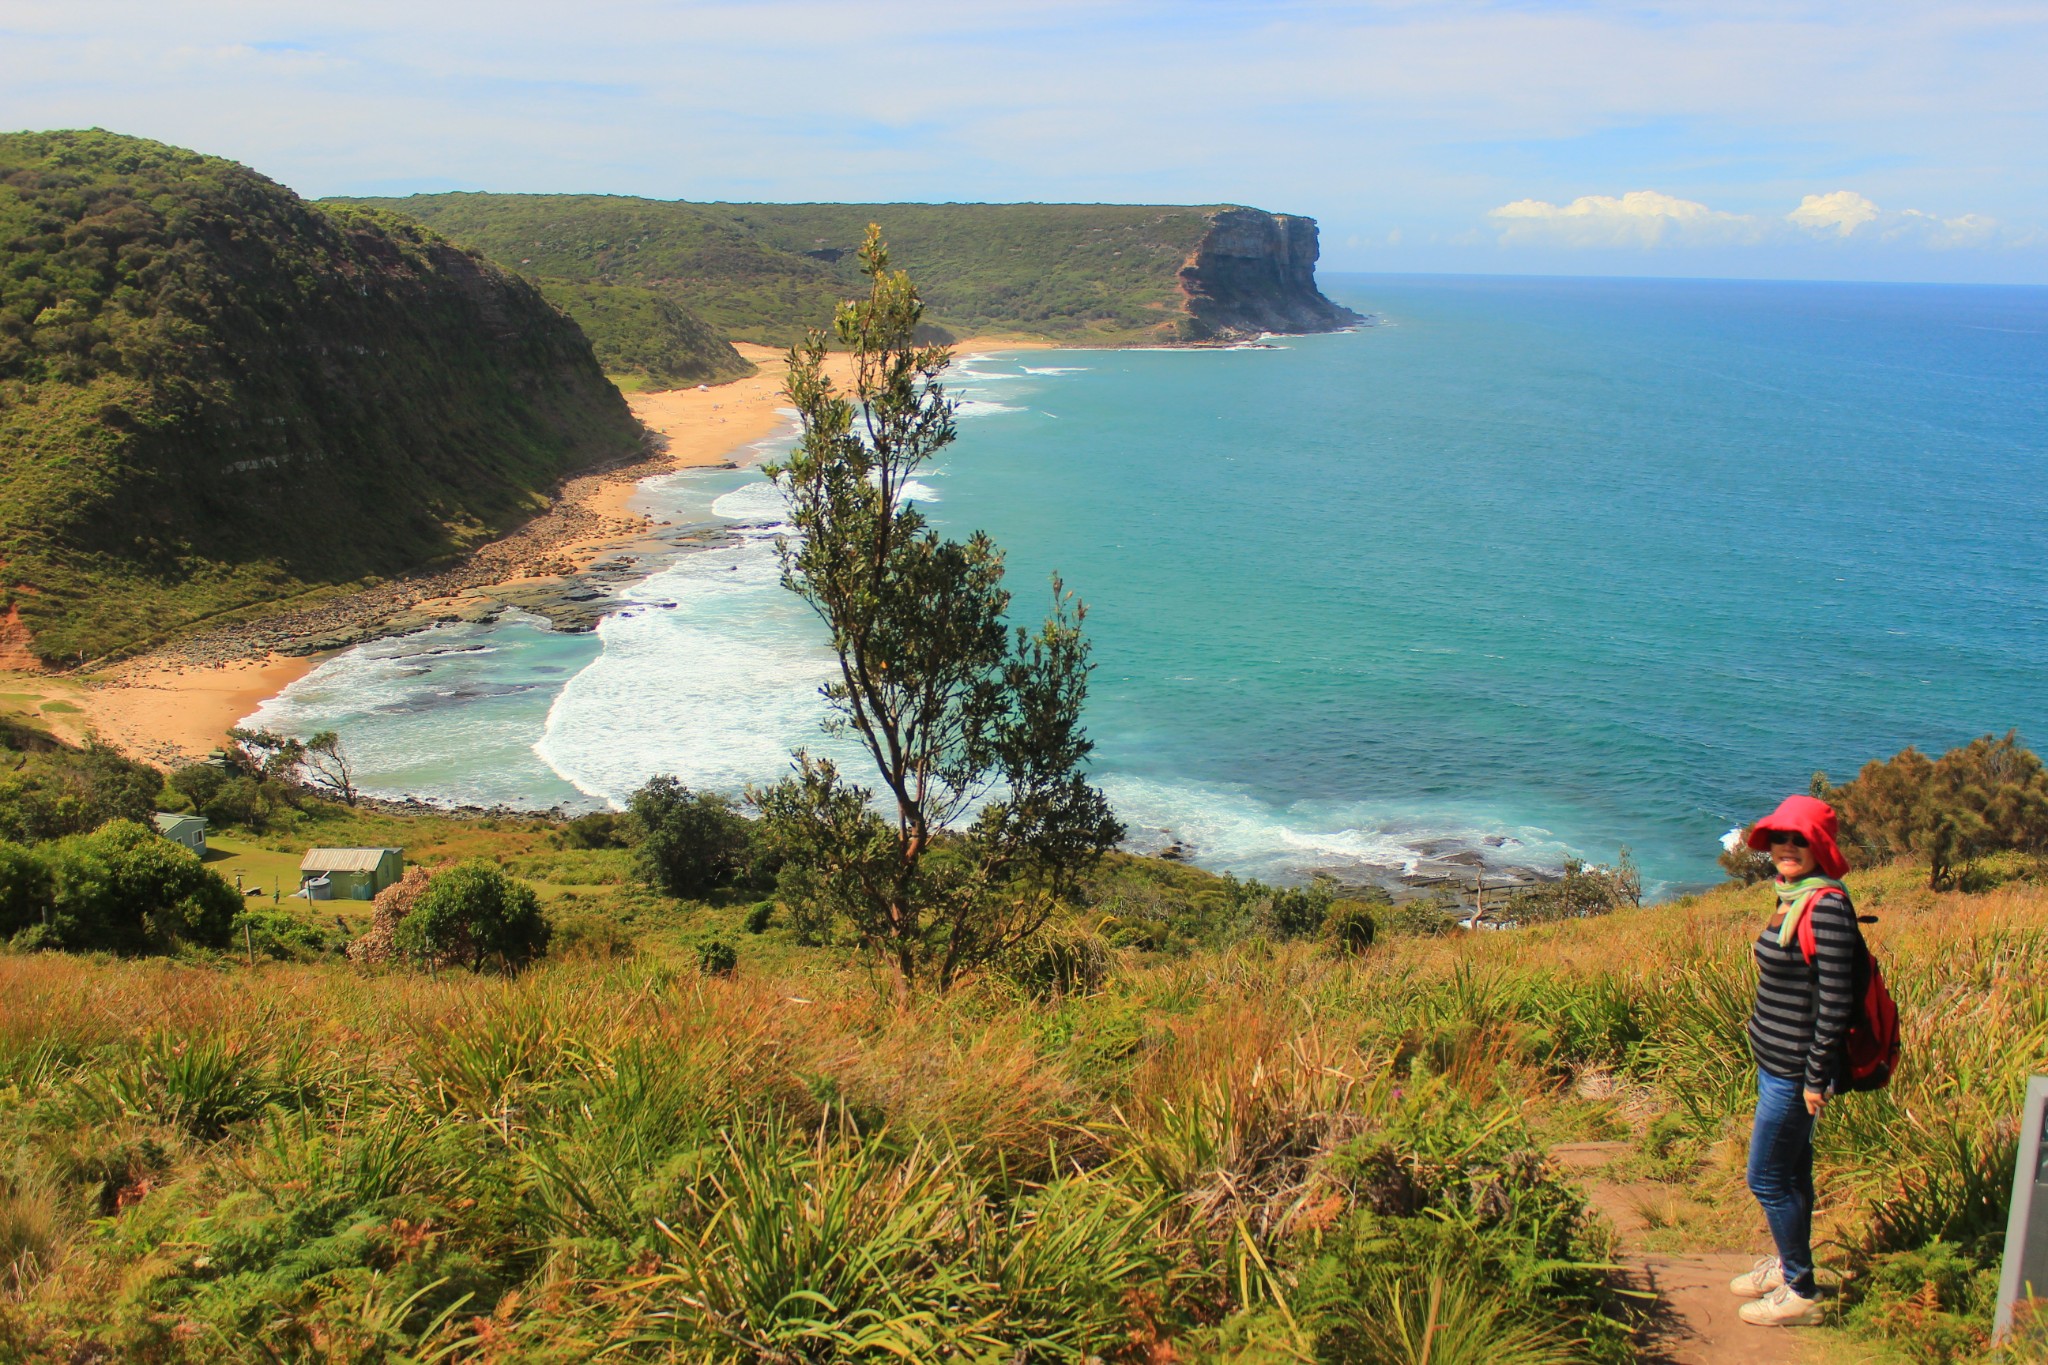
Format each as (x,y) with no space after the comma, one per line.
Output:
(1694,1322)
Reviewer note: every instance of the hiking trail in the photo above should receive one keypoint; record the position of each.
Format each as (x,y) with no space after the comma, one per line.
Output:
(1694,1321)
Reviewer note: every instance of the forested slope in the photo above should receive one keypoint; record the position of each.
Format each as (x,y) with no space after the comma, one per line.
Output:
(1076,273)
(213,394)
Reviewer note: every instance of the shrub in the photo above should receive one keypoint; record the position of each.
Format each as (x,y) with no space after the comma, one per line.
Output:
(760,917)
(598,829)
(1988,795)
(690,843)
(591,935)
(388,911)
(228,797)
(1349,928)
(26,891)
(126,889)
(1745,864)
(52,790)
(473,912)
(278,935)
(1059,960)
(1298,911)
(716,957)
(1584,889)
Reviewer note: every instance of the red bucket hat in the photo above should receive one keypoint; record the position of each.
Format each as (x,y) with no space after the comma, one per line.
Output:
(1811,817)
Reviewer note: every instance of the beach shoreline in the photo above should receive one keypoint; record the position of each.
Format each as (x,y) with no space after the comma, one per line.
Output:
(176,703)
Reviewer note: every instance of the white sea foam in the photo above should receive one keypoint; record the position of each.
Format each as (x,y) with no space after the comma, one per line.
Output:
(1232,829)
(1055,369)
(716,690)
(981,407)
(756,503)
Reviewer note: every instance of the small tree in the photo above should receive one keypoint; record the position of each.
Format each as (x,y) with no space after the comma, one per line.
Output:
(324,766)
(1983,797)
(265,754)
(473,912)
(950,709)
(690,843)
(27,894)
(124,888)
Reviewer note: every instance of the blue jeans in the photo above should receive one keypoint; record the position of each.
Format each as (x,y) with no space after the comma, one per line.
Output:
(1781,1174)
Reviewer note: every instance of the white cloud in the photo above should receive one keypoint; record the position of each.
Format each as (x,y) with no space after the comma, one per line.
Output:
(1642,218)
(1842,211)
(1646,219)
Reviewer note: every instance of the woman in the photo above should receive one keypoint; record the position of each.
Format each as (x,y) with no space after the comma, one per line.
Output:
(1796,1033)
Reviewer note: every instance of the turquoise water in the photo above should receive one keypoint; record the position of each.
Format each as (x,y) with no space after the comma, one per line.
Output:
(1534,567)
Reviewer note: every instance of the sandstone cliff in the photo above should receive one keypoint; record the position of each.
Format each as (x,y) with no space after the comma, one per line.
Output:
(1255,272)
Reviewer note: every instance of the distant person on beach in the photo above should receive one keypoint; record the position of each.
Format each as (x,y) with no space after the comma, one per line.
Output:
(1797,1033)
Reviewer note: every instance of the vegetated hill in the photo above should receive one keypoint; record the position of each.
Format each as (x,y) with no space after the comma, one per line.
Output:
(644,338)
(1107,273)
(214,395)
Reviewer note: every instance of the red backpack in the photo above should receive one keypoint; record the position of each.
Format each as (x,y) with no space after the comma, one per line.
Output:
(1872,1046)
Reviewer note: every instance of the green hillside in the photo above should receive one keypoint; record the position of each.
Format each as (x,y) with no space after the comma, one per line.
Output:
(214,395)
(645,338)
(763,272)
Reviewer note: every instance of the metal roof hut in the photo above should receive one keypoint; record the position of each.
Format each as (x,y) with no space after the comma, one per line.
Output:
(353,873)
(188,830)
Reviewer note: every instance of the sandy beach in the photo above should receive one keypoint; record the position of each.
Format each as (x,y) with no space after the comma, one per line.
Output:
(174,705)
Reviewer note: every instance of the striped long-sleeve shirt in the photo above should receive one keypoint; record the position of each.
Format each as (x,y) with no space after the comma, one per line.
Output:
(1803,1010)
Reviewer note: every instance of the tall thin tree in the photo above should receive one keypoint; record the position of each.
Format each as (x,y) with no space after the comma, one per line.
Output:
(952,706)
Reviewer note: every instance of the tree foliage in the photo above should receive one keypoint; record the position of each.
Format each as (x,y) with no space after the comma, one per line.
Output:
(472,913)
(1986,796)
(688,843)
(952,709)
(126,889)
(49,789)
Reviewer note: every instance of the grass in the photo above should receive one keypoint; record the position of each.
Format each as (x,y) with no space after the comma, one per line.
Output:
(1264,1152)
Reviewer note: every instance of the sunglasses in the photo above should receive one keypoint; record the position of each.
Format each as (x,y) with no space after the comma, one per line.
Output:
(1786,836)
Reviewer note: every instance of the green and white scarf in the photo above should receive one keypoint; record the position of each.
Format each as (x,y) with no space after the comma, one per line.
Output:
(1793,898)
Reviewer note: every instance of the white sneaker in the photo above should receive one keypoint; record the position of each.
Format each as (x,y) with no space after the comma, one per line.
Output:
(1759,1280)
(1781,1308)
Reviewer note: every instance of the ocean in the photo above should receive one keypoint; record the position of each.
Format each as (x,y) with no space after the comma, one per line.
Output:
(1535,568)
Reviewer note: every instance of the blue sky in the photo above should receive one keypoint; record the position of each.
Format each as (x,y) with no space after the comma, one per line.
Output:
(1872,140)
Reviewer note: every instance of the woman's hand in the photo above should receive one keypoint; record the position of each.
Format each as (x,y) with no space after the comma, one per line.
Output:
(1814,1100)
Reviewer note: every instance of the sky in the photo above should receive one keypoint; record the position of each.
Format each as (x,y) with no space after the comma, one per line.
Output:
(1823,139)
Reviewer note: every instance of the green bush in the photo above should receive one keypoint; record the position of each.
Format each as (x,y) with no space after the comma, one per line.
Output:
(760,917)
(49,790)
(473,912)
(1987,796)
(591,935)
(277,935)
(27,893)
(1584,889)
(598,829)
(127,889)
(716,957)
(1298,911)
(1349,927)
(690,843)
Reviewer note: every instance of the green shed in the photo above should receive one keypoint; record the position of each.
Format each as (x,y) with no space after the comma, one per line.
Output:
(189,830)
(353,873)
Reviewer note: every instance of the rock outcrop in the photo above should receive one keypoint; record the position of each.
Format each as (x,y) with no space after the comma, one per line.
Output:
(1255,272)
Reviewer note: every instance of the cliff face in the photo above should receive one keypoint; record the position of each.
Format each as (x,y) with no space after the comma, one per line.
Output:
(214,395)
(1255,272)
